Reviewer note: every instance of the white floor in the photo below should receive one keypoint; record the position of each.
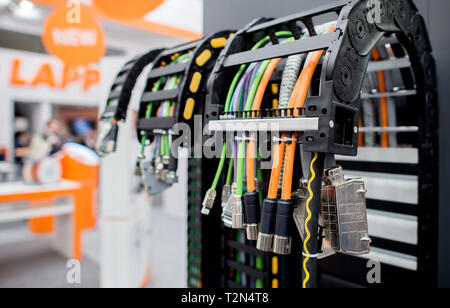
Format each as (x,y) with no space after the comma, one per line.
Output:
(28,261)
(169,250)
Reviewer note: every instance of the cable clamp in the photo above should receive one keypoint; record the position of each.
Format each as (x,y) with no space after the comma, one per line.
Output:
(285,140)
(244,138)
(314,256)
(227,117)
(160,131)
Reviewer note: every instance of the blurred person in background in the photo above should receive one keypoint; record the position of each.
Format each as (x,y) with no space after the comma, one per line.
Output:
(54,135)
(22,143)
(91,139)
(85,134)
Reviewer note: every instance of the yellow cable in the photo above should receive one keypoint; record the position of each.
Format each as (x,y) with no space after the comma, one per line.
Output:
(308,234)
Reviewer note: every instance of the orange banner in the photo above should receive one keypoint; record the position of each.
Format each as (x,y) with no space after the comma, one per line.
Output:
(73,34)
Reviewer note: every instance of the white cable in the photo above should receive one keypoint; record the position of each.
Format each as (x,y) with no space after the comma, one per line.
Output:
(290,76)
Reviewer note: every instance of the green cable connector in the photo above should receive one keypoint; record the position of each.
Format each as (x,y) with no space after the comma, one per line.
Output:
(248,107)
(165,146)
(149,112)
(173,83)
(234,83)
(145,137)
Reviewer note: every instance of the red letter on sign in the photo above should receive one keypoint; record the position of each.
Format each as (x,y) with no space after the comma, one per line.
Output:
(44,76)
(14,78)
(92,77)
(70,75)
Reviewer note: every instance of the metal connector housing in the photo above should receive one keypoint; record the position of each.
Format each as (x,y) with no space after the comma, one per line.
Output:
(345,216)
(252,232)
(265,242)
(238,212)
(282,245)
(172,177)
(208,202)
(226,194)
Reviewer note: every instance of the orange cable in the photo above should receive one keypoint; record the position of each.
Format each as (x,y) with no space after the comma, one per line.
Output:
(301,89)
(264,83)
(278,154)
(360,135)
(251,153)
(288,172)
(383,100)
(298,99)
(251,156)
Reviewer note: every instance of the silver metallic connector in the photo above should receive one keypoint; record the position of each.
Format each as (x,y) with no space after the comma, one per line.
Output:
(344,214)
(110,146)
(265,242)
(282,245)
(164,174)
(257,185)
(165,160)
(157,161)
(226,194)
(139,170)
(172,177)
(107,138)
(227,213)
(158,168)
(238,212)
(335,176)
(208,202)
(158,174)
(252,232)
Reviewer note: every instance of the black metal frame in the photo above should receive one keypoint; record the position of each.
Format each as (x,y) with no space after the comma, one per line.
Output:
(183,91)
(343,71)
(126,80)
(205,263)
(347,56)
(208,257)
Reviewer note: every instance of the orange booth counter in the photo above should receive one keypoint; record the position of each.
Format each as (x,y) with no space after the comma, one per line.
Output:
(66,208)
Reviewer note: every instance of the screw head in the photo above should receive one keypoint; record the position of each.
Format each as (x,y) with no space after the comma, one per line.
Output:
(346,76)
(331,124)
(355,129)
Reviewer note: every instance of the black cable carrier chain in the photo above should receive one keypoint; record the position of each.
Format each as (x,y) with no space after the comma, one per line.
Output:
(343,70)
(347,57)
(189,95)
(122,88)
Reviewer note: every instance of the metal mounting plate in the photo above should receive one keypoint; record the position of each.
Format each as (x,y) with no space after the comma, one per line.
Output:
(256,125)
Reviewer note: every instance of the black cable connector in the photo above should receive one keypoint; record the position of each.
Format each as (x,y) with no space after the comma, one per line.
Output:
(172,168)
(267,227)
(173,164)
(282,243)
(107,143)
(252,208)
